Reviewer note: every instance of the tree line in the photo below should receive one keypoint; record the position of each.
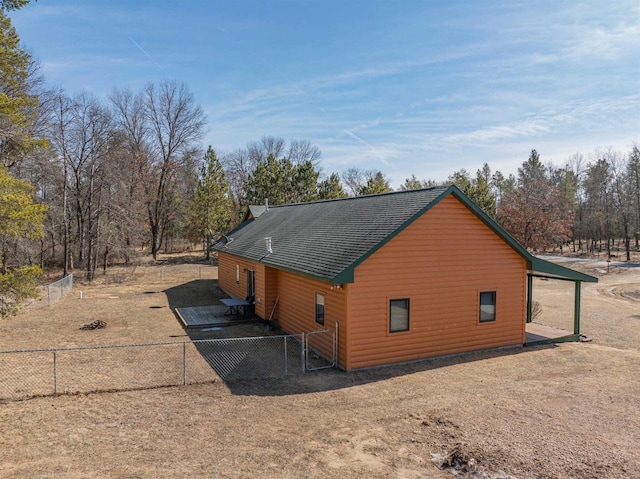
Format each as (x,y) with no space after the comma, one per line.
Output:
(86,182)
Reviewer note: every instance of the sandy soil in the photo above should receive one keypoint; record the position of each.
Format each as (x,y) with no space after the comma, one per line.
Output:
(564,411)
(610,312)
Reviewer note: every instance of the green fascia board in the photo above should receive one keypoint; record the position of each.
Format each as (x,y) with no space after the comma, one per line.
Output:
(535,264)
(555,271)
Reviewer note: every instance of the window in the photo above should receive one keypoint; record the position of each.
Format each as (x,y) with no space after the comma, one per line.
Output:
(319,308)
(487,306)
(237,274)
(398,315)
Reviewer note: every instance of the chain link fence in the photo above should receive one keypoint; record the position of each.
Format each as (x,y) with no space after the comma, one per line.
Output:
(120,274)
(320,349)
(149,273)
(51,293)
(31,373)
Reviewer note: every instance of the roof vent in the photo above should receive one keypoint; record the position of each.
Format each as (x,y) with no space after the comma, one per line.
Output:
(225,240)
(267,245)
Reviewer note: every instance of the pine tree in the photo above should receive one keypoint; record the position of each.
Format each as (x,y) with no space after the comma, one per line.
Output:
(376,183)
(21,218)
(211,205)
(330,188)
(19,105)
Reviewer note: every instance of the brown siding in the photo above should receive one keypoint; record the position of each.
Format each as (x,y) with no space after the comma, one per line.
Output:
(227,280)
(297,303)
(271,292)
(440,262)
(295,312)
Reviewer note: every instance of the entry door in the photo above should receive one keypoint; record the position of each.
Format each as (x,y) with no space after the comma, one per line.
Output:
(251,283)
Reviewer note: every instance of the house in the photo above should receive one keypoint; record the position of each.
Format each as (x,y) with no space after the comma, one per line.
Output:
(399,276)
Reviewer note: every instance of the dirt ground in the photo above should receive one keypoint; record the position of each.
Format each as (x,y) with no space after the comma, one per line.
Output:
(562,411)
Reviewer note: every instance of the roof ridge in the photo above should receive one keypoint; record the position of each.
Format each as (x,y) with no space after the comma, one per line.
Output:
(388,193)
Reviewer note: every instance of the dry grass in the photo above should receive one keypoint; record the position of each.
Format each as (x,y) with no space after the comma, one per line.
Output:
(561,411)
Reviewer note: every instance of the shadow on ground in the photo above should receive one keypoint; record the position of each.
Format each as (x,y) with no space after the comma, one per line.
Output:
(199,292)
(333,379)
(253,360)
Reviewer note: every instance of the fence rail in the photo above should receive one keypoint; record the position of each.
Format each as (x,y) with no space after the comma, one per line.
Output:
(44,372)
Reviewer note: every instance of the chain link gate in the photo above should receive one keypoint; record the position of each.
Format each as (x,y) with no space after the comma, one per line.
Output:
(320,349)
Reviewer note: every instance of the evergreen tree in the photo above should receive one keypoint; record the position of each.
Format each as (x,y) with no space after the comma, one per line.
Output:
(282,182)
(477,189)
(210,207)
(19,104)
(376,184)
(21,218)
(330,188)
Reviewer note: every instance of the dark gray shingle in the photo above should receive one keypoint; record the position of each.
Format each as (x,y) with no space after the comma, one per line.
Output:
(322,239)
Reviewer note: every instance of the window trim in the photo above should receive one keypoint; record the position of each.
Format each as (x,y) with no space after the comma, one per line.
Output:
(495,307)
(237,273)
(396,331)
(324,306)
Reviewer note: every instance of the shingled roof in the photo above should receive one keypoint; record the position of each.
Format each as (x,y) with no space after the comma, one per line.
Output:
(326,240)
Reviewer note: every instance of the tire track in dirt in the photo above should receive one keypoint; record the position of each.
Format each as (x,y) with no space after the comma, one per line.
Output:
(626,291)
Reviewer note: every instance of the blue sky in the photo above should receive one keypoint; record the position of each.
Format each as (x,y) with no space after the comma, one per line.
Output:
(422,87)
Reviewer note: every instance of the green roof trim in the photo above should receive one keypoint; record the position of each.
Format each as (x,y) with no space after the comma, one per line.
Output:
(327,240)
(348,275)
(536,265)
(546,269)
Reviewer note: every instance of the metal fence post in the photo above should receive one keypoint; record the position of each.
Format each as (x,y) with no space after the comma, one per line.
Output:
(286,370)
(184,363)
(55,373)
(336,345)
(302,353)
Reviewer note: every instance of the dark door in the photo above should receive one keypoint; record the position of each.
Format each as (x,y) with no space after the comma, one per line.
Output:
(251,283)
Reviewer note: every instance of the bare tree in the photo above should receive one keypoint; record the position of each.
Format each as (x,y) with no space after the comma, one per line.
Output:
(355,179)
(81,135)
(268,145)
(162,124)
(622,199)
(301,151)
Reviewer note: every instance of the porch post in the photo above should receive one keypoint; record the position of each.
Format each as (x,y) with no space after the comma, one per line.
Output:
(529,297)
(576,310)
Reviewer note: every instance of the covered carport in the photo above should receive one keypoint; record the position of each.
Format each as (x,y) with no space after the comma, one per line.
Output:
(539,268)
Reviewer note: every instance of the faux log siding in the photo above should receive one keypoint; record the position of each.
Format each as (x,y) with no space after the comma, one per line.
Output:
(271,292)
(227,280)
(297,308)
(440,262)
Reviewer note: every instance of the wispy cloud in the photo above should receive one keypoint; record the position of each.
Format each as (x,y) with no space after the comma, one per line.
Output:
(372,149)
(584,113)
(149,56)
(602,42)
